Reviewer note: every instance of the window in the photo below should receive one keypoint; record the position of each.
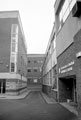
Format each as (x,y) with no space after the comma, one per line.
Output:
(72,3)
(12,67)
(15,28)
(35,80)
(35,61)
(29,79)
(14,38)
(29,70)
(13,61)
(14,35)
(35,70)
(66,8)
(13,58)
(29,61)
(13,47)
(40,61)
(54,83)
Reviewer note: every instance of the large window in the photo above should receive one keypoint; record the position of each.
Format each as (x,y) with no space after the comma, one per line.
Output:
(29,61)
(14,38)
(12,67)
(14,47)
(65,10)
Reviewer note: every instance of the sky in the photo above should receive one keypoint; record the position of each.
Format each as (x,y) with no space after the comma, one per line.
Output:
(37,18)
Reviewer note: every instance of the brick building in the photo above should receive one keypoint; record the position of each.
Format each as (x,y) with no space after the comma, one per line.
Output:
(13,54)
(68,49)
(34,70)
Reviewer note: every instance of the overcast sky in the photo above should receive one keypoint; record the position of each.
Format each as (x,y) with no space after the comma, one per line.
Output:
(37,18)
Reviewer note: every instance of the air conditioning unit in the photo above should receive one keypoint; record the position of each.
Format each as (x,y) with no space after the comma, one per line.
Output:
(76,11)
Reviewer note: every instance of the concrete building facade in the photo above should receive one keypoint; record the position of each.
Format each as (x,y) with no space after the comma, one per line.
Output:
(13,54)
(49,69)
(68,49)
(34,69)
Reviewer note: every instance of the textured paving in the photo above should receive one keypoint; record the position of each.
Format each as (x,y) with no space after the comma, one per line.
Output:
(33,107)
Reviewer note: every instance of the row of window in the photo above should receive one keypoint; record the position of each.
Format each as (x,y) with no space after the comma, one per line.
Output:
(51,79)
(65,10)
(29,70)
(35,70)
(50,51)
(36,61)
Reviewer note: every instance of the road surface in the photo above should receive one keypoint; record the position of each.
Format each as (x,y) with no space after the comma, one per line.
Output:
(33,107)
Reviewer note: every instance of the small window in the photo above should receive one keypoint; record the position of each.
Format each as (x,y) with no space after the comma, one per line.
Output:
(13,46)
(35,61)
(29,70)
(35,70)
(29,61)
(29,79)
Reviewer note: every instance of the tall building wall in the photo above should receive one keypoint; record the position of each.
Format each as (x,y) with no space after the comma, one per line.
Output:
(68,32)
(11,80)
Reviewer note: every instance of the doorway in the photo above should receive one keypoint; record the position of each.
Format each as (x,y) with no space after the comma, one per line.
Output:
(67,89)
(2,86)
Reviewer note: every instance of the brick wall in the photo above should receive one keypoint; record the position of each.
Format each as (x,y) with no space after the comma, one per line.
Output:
(77,44)
(46,89)
(64,59)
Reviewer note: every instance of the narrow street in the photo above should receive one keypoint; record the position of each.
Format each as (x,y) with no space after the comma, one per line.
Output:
(33,107)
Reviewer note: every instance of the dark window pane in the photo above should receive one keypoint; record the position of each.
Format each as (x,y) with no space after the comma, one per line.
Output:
(29,70)
(29,61)
(12,67)
(35,70)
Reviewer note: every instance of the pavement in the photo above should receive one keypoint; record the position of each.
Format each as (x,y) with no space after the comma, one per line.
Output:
(70,108)
(34,107)
(64,104)
(46,98)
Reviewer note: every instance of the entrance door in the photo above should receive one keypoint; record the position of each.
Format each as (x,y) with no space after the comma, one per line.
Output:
(2,86)
(67,88)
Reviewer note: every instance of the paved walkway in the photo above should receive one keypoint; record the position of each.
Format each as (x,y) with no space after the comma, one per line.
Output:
(33,107)
(47,99)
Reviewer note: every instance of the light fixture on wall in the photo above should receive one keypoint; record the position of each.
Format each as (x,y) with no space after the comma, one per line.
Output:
(78,55)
